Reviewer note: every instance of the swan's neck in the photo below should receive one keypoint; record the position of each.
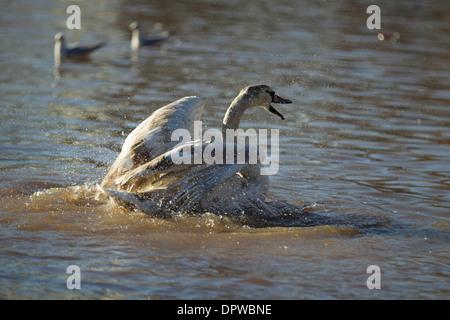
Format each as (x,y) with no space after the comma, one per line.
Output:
(234,113)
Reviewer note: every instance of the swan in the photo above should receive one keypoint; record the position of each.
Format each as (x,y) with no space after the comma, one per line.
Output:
(73,51)
(138,39)
(145,176)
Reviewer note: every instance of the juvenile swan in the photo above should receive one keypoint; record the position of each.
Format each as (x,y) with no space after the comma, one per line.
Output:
(73,51)
(145,176)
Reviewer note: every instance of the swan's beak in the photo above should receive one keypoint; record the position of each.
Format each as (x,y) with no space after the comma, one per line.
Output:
(278,99)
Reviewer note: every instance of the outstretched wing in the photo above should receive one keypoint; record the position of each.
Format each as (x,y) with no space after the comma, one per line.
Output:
(184,184)
(153,137)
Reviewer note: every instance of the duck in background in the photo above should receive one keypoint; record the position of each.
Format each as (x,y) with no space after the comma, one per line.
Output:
(138,39)
(72,51)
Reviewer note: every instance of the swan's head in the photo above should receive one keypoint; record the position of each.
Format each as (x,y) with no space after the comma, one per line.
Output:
(133,26)
(263,96)
(59,37)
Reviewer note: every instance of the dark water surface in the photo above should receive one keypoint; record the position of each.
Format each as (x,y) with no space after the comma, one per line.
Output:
(366,140)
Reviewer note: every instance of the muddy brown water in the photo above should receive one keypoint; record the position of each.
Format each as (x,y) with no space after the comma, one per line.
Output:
(366,139)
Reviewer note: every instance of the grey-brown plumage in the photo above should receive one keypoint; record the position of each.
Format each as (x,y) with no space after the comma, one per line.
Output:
(145,175)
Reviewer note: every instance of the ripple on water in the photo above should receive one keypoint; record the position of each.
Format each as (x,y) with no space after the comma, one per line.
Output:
(84,209)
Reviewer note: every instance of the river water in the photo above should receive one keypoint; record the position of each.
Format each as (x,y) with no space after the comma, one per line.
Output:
(366,139)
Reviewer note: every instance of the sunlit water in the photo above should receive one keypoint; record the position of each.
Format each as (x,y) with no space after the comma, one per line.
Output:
(366,140)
